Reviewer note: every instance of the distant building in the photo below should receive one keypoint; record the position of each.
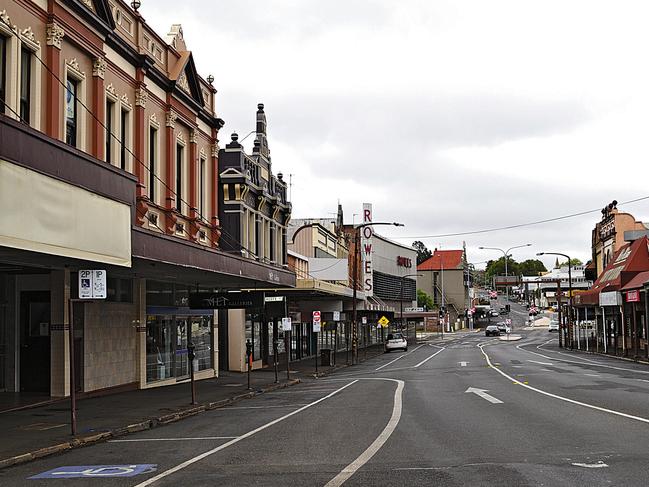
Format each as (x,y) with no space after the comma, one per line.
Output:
(443,276)
(608,236)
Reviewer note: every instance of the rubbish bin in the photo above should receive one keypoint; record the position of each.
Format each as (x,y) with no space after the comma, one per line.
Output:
(325,357)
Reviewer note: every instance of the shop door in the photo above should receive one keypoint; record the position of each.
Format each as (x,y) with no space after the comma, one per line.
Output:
(35,341)
(181,352)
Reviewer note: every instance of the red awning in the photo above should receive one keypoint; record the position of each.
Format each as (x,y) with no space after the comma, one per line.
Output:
(637,282)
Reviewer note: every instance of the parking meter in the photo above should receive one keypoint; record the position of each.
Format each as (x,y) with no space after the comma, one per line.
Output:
(191,354)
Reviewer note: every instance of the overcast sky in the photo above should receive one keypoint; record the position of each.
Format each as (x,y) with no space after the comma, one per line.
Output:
(449,116)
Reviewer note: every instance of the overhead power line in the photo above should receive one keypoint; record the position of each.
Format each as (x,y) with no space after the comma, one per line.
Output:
(519,225)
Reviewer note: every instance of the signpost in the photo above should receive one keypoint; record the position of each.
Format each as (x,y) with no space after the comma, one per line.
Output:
(92,285)
(316,329)
(287,326)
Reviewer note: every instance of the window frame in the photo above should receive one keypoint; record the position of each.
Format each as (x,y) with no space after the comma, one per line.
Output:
(153,159)
(72,72)
(4,47)
(125,136)
(180,158)
(26,68)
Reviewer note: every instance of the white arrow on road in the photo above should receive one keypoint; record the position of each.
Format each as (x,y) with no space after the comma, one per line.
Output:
(483,394)
(463,364)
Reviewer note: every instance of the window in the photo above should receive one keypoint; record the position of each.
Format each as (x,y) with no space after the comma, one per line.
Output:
(201,188)
(123,138)
(179,177)
(3,72)
(110,108)
(71,115)
(153,155)
(25,84)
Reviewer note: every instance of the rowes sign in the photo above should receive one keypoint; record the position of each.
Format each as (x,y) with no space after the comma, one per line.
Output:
(366,248)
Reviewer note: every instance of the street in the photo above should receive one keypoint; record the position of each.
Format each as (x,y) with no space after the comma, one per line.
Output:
(465,410)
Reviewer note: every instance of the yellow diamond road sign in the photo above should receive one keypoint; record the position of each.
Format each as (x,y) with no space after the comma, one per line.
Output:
(384,321)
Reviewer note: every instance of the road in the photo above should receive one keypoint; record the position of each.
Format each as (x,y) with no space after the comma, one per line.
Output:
(468,410)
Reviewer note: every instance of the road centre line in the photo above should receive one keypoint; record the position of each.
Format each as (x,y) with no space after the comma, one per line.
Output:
(136,440)
(541,363)
(376,445)
(427,359)
(561,398)
(208,453)
(400,357)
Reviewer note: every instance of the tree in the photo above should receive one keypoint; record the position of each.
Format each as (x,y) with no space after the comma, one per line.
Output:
(424,300)
(532,267)
(573,263)
(497,268)
(423,253)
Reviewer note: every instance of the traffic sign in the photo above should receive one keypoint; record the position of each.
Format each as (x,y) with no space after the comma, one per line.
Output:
(336,315)
(383,321)
(316,321)
(92,284)
(508,321)
(286,324)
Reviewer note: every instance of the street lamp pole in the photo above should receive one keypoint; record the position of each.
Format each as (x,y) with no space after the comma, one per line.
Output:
(569,335)
(506,254)
(357,243)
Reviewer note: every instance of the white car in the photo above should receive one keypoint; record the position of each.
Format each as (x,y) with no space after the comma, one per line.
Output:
(553,326)
(396,341)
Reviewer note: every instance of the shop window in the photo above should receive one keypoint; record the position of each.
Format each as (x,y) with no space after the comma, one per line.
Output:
(179,176)
(110,123)
(125,119)
(253,333)
(25,84)
(119,290)
(201,188)
(159,348)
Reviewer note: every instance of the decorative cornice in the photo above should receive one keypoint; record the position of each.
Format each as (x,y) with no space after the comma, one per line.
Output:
(184,84)
(99,67)
(125,101)
(154,119)
(111,89)
(4,18)
(202,154)
(55,35)
(193,137)
(29,35)
(181,138)
(73,65)
(87,3)
(214,150)
(170,119)
(141,97)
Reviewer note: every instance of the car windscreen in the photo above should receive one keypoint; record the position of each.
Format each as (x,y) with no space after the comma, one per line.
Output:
(390,336)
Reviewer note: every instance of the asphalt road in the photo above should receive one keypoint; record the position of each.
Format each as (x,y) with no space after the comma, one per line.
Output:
(468,410)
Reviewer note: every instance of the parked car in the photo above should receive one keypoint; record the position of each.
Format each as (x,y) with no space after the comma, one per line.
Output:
(553,326)
(492,330)
(396,341)
(493,312)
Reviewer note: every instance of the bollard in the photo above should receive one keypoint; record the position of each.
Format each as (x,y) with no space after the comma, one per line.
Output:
(249,359)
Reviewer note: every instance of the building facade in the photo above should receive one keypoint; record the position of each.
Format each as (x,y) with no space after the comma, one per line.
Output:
(108,161)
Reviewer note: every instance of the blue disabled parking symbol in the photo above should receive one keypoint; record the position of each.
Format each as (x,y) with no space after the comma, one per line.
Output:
(89,471)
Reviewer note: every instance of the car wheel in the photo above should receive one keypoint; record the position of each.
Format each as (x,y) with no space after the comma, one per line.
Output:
(405,349)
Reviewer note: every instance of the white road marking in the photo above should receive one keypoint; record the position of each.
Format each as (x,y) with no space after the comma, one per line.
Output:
(483,394)
(599,464)
(365,457)
(542,363)
(427,359)
(135,440)
(229,408)
(589,362)
(595,375)
(561,398)
(200,457)
(400,357)
(463,364)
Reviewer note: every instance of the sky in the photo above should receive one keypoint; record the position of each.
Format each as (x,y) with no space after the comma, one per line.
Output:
(448,116)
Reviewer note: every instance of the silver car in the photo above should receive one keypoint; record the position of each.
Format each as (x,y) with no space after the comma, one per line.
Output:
(396,341)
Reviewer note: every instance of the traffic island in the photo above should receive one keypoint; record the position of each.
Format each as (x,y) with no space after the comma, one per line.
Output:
(509,338)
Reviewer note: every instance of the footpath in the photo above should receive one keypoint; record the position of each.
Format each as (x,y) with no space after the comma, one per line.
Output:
(34,432)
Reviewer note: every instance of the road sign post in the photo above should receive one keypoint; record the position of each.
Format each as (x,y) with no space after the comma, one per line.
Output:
(316,329)
(287,326)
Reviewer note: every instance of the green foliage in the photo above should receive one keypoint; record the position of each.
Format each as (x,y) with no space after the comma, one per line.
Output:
(529,267)
(424,300)
(423,253)
(573,262)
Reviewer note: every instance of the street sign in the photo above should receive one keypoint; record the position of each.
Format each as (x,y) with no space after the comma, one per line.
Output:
(316,322)
(336,315)
(383,321)
(286,324)
(364,320)
(273,299)
(413,310)
(96,471)
(92,284)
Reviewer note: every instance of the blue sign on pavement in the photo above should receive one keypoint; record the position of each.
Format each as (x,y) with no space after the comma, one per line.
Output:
(88,471)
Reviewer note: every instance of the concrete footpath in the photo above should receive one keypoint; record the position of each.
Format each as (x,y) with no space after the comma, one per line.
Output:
(35,432)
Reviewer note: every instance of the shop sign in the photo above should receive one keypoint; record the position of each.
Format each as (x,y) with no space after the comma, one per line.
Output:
(611,298)
(404,262)
(206,300)
(336,315)
(366,250)
(633,296)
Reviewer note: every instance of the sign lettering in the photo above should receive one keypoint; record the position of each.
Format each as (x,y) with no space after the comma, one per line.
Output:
(366,245)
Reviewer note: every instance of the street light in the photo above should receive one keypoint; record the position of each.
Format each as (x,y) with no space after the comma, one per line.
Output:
(569,294)
(506,254)
(357,235)
(401,301)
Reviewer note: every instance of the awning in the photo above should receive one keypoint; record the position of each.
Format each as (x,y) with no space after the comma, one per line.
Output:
(637,282)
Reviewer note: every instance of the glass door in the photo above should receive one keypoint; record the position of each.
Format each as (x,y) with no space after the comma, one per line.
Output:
(181,352)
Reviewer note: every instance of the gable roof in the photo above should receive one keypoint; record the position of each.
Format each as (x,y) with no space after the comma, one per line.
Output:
(184,72)
(442,259)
